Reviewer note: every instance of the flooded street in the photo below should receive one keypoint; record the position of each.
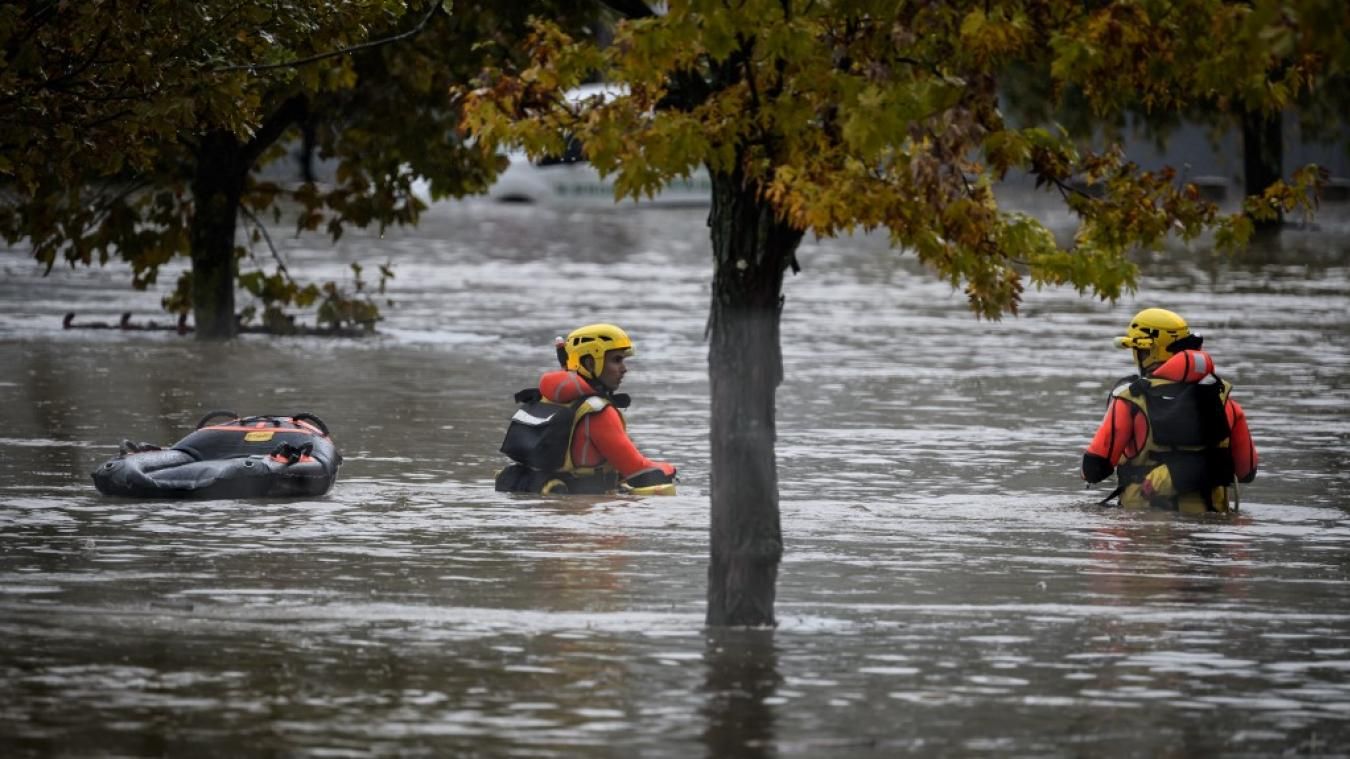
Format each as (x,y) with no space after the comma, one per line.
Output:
(948,587)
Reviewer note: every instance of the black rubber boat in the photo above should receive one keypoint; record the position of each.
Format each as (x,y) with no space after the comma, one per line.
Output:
(243,457)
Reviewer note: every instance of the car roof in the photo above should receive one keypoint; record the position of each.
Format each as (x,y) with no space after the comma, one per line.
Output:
(587,91)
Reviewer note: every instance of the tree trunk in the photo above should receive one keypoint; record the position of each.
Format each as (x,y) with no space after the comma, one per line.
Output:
(309,145)
(216,188)
(742,668)
(751,251)
(1262,156)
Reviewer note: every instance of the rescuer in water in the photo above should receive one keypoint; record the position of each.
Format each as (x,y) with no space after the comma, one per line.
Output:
(1173,434)
(569,435)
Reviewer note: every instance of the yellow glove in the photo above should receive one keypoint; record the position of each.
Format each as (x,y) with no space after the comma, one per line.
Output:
(1158,483)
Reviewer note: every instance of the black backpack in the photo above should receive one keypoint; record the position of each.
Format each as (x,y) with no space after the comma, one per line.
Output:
(540,432)
(1190,419)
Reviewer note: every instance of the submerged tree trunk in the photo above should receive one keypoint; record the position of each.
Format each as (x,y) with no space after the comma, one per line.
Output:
(1262,156)
(222,168)
(751,251)
(216,189)
(742,667)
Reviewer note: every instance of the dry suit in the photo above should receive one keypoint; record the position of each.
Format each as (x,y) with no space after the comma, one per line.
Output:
(598,454)
(1175,438)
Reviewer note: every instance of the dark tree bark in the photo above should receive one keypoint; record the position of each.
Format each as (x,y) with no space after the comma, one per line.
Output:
(216,189)
(1262,156)
(751,251)
(308,146)
(222,168)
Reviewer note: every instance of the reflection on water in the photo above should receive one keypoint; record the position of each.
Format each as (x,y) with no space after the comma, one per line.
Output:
(742,684)
(948,589)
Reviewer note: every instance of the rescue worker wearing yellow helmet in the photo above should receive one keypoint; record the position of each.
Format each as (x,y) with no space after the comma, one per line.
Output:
(569,435)
(1173,434)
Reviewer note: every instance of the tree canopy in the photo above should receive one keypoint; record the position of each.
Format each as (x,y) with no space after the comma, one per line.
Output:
(886,115)
(1267,60)
(823,117)
(134,130)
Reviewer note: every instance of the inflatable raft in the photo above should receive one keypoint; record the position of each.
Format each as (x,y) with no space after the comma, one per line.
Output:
(242,457)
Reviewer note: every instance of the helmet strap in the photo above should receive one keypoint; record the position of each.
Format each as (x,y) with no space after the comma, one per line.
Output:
(1140,356)
(592,377)
(587,368)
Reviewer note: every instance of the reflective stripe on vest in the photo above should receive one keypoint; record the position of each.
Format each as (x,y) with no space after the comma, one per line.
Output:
(581,424)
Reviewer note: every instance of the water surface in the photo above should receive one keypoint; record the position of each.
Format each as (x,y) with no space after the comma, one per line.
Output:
(949,586)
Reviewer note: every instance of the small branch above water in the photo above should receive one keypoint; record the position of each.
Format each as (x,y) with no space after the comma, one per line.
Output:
(183,328)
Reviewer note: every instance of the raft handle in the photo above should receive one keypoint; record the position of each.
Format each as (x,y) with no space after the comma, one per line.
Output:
(216,415)
(259,420)
(308,417)
(289,454)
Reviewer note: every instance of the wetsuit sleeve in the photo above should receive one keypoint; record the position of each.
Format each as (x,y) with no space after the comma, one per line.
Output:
(1240,444)
(612,441)
(1109,444)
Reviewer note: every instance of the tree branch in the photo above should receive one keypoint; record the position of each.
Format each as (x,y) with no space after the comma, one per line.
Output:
(930,67)
(746,54)
(254,68)
(1066,189)
(59,82)
(631,9)
(291,112)
(281,265)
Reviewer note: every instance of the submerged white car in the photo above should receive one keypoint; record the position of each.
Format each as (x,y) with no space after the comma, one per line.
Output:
(571,180)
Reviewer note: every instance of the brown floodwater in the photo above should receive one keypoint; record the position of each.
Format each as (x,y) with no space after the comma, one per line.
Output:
(949,587)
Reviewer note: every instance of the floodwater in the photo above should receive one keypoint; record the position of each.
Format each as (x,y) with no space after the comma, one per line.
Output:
(948,588)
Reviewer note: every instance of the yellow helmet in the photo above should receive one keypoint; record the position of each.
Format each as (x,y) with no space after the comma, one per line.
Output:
(1153,331)
(595,340)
